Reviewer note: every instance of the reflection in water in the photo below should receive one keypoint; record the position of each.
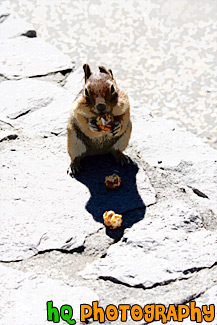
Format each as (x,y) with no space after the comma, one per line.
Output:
(163,52)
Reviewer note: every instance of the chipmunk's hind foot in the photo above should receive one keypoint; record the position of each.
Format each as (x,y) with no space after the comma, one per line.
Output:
(74,168)
(122,159)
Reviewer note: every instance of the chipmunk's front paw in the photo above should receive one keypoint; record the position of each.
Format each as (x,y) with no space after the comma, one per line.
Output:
(74,168)
(116,126)
(93,125)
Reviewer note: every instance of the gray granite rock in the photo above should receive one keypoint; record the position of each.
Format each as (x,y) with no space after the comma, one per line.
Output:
(75,81)
(167,246)
(163,143)
(199,179)
(14,26)
(27,57)
(43,208)
(38,107)
(189,162)
(209,297)
(25,296)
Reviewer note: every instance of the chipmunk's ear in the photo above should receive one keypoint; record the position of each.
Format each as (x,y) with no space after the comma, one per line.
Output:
(111,73)
(87,71)
(104,70)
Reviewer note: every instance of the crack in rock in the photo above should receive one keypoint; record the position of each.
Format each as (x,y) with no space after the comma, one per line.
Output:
(7,123)
(158,284)
(3,18)
(64,73)
(199,193)
(19,115)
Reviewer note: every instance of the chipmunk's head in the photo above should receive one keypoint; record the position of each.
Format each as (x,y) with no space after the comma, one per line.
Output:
(100,90)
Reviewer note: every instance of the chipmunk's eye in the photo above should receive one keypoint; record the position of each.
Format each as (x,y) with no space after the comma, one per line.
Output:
(112,89)
(86,93)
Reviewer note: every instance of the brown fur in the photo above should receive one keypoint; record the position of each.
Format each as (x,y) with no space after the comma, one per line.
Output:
(83,138)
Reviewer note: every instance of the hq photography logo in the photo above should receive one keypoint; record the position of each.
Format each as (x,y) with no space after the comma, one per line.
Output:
(123,312)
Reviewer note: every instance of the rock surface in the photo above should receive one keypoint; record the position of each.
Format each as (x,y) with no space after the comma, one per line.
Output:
(13,26)
(173,243)
(32,291)
(28,57)
(40,107)
(208,298)
(4,13)
(7,135)
(63,205)
(54,245)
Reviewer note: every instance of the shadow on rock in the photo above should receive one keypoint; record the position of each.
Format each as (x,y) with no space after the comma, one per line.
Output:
(125,200)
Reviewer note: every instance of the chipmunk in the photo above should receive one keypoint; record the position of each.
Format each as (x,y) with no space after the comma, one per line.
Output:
(100,97)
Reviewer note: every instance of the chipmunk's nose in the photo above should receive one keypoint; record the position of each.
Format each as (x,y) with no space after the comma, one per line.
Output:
(101,108)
